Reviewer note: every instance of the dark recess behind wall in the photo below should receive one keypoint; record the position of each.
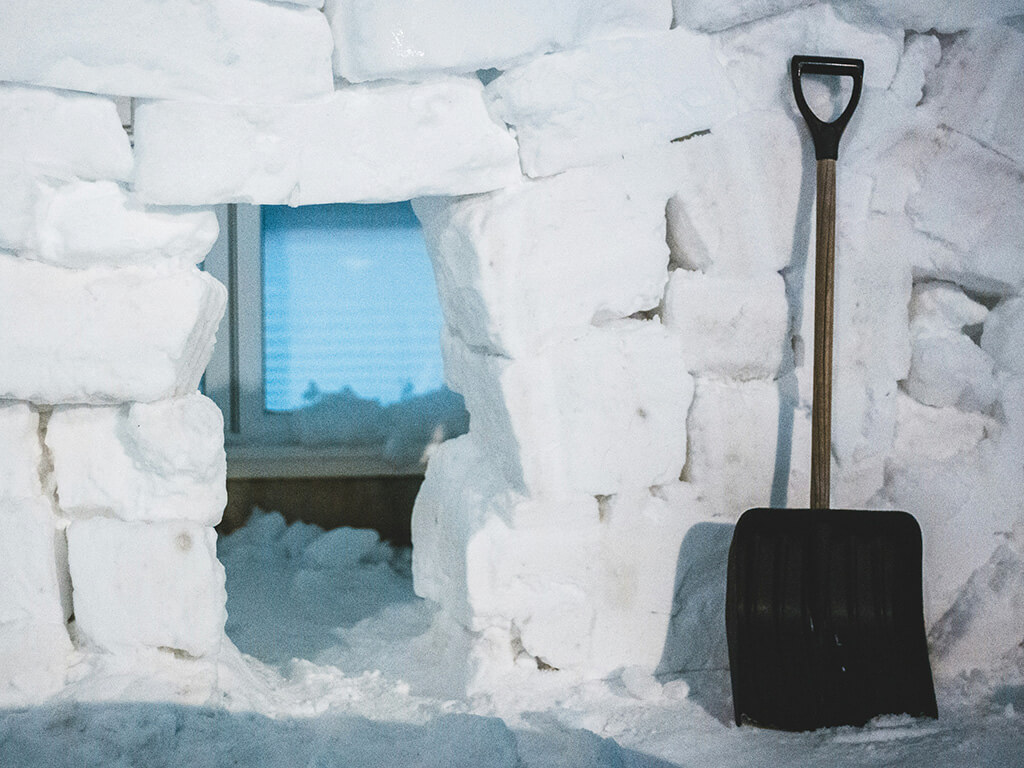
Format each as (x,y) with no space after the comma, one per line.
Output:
(381,503)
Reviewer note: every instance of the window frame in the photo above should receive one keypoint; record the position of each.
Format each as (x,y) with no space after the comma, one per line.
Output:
(256,440)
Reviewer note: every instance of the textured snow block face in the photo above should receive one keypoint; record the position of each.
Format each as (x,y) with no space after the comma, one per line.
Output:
(939,308)
(58,133)
(960,475)
(34,643)
(947,368)
(29,590)
(756,56)
(937,434)
(983,628)
(515,265)
(965,505)
(641,550)
(360,144)
(589,105)
(462,494)
(732,328)
(600,411)
(84,351)
(921,54)
(18,195)
(951,371)
(733,430)
(84,224)
(923,15)
(710,16)
(21,454)
(408,40)
(593,601)
(971,198)
(147,461)
(1003,335)
(156,585)
(978,90)
(225,50)
(34,658)
(596,601)
(736,206)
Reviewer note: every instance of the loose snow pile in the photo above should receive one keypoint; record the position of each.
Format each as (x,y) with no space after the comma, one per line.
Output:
(349,668)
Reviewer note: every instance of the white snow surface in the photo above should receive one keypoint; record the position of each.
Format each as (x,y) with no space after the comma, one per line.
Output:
(145,461)
(230,50)
(63,134)
(411,40)
(103,335)
(375,143)
(339,664)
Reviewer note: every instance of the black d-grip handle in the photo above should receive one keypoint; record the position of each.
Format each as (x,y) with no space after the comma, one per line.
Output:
(826,135)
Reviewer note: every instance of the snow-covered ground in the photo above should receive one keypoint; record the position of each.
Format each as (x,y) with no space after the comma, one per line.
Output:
(342,665)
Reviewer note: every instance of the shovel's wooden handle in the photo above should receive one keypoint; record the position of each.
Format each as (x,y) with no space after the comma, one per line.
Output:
(821,409)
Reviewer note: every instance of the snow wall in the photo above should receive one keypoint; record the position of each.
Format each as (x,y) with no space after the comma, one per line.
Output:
(618,199)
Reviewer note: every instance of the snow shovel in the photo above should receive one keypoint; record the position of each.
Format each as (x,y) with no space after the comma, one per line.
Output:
(824,616)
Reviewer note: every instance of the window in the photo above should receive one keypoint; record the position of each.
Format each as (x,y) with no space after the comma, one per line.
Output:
(328,359)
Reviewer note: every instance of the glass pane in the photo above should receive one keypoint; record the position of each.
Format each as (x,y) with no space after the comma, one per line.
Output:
(350,305)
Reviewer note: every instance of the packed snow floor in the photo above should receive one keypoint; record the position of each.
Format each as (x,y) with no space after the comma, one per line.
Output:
(342,665)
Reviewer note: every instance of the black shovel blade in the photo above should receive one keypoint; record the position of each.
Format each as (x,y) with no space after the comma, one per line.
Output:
(824,618)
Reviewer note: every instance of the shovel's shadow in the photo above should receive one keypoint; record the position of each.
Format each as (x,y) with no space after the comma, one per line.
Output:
(695,648)
(794,344)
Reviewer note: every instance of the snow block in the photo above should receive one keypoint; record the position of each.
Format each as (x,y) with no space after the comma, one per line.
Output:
(104,336)
(62,134)
(971,198)
(726,327)
(593,602)
(513,266)
(360,144)
(737,207)
(21,453)
(939,308)
(223,50)
(965,505)
(960,474)
(156,585)
(977,89)
(29,584)
(34,657)
(951,371)
(733,431)
(462,493)
(922,15)
(921,55)
(83,224)
(711,16)
(756,56)
(18,195)
(1003,335)
(34,642)
(409,40)
(588,105)
(599,411)
(144,461)
(937,434)
(947,368)
(984,627)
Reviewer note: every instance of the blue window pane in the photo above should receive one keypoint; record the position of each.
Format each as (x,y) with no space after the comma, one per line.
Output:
(349,304)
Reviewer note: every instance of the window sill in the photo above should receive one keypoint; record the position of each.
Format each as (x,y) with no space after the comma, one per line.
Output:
(289,461)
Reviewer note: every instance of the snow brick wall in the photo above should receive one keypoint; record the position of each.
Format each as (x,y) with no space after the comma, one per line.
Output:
(617,198)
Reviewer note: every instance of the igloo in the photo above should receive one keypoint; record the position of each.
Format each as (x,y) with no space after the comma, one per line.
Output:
(619,224)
